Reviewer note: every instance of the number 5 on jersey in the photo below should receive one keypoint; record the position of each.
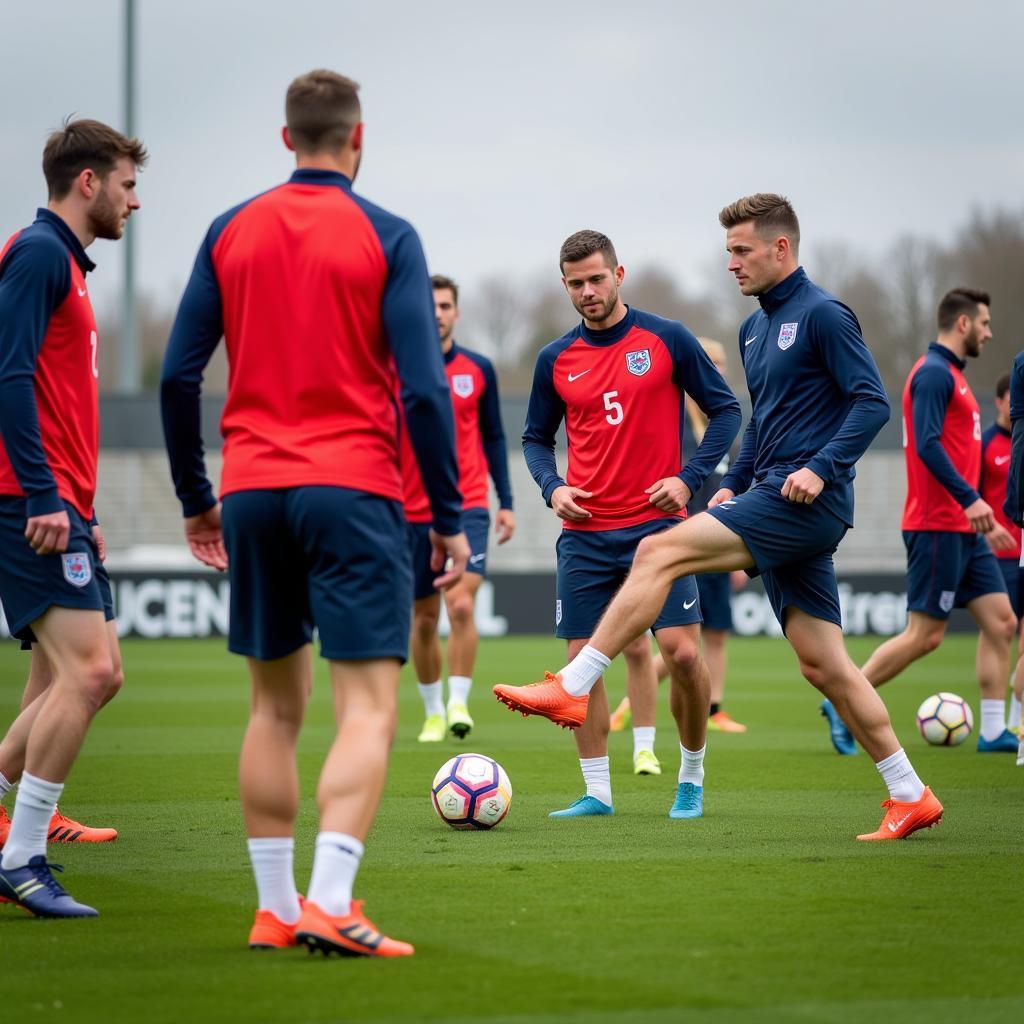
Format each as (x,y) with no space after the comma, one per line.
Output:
(614,409)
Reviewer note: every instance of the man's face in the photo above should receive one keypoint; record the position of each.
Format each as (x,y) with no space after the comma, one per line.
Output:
(114,202)
(755,263)
(445,313)
(978,333)
(1003,409)
(593,286)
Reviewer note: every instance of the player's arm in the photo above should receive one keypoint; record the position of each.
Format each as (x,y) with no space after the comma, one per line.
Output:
(492,434)
(1014,504)
(34,280)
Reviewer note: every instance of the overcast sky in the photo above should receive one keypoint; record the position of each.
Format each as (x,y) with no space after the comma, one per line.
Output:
(500,130)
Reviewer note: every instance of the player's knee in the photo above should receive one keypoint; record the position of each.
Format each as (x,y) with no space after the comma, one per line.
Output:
(816,671)
(929,641)
(460,611)
(424,624)
(683,660)
(1006,628)
(638,650)
(653,552)
(116,681)
(94,679)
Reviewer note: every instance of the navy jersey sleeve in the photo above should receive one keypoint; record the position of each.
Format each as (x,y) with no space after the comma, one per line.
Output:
(930,391)
(492,433)
(544,416)
(695,373)
(197,331)
(1014,505)
(407,312)
(34,280)
(837,338)
(741,472)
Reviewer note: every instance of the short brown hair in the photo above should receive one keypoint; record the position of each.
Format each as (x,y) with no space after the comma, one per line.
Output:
(321,109)
(1002,385)
(585,243)
(85,144)
(440,281)
(956,303)
(772,214)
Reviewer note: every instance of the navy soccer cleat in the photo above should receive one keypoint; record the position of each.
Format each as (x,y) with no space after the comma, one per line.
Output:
(842,738)
(34,888)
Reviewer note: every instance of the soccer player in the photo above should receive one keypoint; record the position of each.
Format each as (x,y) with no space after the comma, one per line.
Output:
(480,442)
(617,380)
(947,525)
(714,588)
(784,505)
(49,446)
(1014,504)
(321,297)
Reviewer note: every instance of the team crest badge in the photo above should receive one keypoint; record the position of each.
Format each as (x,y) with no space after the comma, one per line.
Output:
(638,363)
(77,568)
(787,335)
(946,600)
(462,384)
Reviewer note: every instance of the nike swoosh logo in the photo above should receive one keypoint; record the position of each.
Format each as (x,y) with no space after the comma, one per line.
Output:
(894,825)
(963,390)
(476,558)
(750,341)
(689,604)
(81,292)
(577,376)
(1001,459)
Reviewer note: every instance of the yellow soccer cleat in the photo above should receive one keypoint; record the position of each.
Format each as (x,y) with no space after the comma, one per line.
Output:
(645,763)
(460,722)
(434,729)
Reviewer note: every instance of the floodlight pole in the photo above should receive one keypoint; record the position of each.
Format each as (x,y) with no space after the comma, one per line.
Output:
(129,377)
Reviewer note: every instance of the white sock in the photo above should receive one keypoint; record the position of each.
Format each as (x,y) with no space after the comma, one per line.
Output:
(993,719)
(6,787)
(643,738)
(433,697)
(598,777)
(899,775)
(275,881)
(30,822)
(580,675)
(335,864)
(692,767)
(1012,723)
(458,689)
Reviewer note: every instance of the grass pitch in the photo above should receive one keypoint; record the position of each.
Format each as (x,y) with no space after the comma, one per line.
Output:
(765,910)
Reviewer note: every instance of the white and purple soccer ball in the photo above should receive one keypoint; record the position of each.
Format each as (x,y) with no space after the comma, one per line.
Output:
(471,791)
(945,719)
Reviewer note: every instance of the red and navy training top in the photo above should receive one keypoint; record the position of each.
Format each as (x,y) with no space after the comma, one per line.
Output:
(620,392)
(326,309)
(49,391)
(942,443)
(995,471)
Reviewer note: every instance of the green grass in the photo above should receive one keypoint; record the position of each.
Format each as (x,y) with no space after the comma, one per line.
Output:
(765,910)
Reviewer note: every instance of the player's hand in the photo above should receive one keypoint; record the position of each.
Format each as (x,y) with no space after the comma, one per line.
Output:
(100,542)
(724,494)
(980,516)
(803,486)
(205,539)
(48,534)
(450,554)
(563,503)
(504,525)
(1000,539)
(669,494)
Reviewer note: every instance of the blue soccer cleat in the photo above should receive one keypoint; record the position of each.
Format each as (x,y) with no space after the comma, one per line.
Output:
(34,888)
(586,806)
(689,801)
(1005,743)
(842,738)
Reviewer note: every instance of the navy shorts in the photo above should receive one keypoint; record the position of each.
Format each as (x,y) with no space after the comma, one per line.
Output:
(31,583)
(946,570)
(591,568)
(1013,577)
(328,557)
(476,523)
(715,600)
(792,545)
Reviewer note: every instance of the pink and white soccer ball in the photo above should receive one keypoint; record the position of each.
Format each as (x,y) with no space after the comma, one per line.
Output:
(471,791)
(945,719)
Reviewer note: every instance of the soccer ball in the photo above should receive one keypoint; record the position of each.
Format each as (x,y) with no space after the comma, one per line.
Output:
(945,719)
(471,791)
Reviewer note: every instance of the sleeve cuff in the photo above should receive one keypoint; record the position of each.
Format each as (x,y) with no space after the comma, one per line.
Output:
(198,505)
(969,499)
(550,489)
(43,503)
(448,525)
(822,467)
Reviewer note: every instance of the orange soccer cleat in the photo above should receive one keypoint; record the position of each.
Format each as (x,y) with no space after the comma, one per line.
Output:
(903,818)
(5,826)
(722,721)
(547,699)
(352,934)
(270,932)
(66,830)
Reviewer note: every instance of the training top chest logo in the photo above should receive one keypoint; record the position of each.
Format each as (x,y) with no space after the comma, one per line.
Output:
(462,384)
(638,363)
(787,335)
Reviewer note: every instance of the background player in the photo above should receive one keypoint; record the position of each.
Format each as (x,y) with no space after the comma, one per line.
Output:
(1014,505)
(320,296)
(818,402)
(480,443)
(49,425)
(617,380)
(946,522)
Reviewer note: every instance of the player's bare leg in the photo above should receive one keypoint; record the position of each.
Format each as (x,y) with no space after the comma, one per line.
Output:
(642,690)
(922,635)
(463,641)
(425,649)
(997,625)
